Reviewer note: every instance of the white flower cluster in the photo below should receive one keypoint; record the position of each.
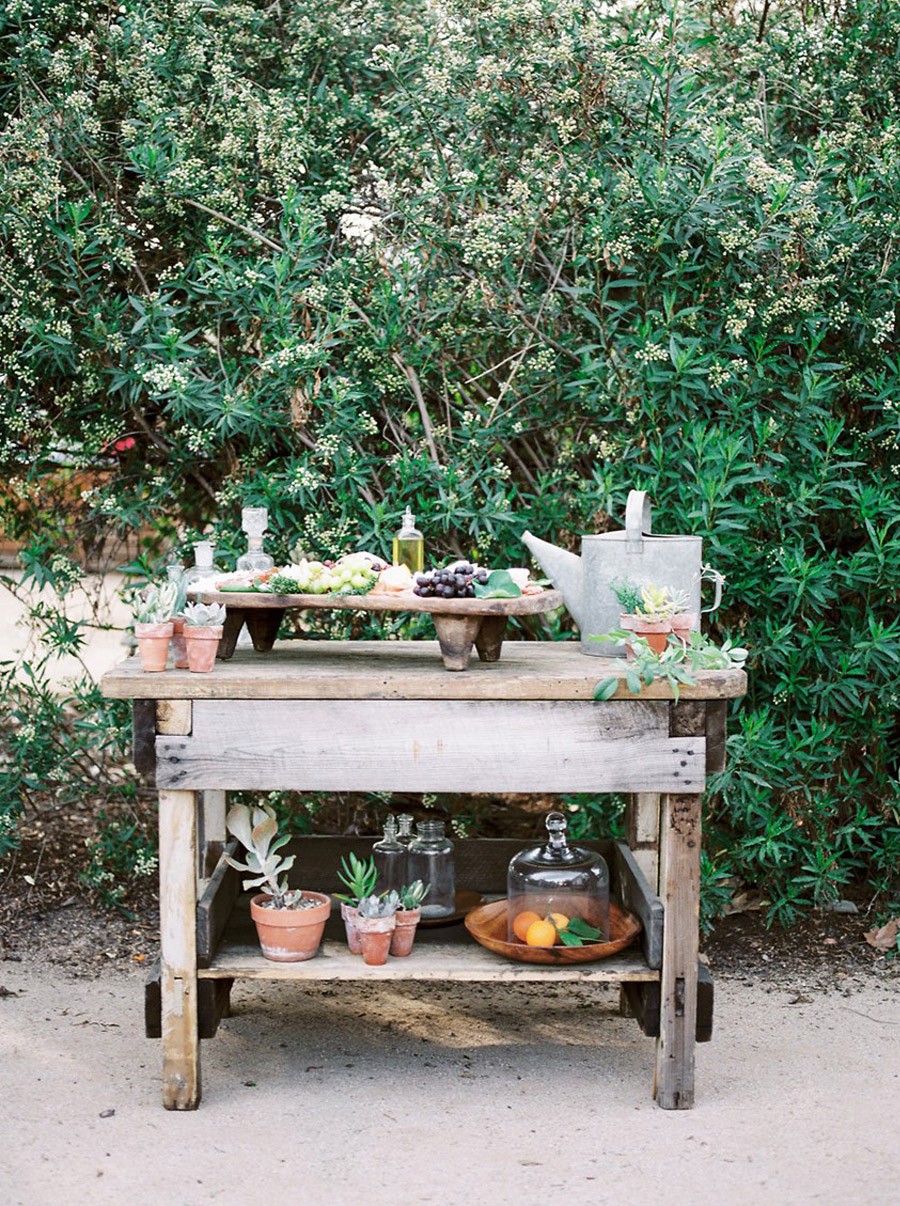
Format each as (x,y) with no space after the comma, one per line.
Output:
(651,352)
(165,378)
(359,227)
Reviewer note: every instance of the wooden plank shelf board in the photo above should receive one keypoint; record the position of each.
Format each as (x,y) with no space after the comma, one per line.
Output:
(397,745)
(434,962)
(404,670)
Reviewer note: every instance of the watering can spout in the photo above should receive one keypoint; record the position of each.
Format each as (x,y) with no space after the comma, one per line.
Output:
(565,571)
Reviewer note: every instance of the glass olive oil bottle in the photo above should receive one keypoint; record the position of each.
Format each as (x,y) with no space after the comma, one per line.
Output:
(409,545)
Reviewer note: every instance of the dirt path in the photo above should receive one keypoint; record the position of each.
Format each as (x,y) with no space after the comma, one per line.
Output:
(474,1096)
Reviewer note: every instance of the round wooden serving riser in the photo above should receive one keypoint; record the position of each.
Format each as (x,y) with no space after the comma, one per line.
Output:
(487,925)
(460,624)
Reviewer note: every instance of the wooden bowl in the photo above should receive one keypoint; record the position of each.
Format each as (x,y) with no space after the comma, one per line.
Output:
(487,925)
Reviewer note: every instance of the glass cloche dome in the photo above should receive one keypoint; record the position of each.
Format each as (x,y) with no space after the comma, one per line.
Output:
(558,878)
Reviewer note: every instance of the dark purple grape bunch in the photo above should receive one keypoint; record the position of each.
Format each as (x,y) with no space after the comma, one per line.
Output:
(455,582)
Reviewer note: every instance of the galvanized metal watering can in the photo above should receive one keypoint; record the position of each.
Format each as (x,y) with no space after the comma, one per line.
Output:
(633,555)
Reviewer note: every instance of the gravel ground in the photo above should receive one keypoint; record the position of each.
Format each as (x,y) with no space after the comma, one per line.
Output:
(453,1095)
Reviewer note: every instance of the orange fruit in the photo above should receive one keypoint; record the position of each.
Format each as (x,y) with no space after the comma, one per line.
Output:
(541,933)
(522,922)
(560,920)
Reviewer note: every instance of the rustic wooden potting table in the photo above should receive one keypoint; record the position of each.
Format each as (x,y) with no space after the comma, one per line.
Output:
(383,716)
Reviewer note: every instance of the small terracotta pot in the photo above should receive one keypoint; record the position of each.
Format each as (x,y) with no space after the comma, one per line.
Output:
(655,632)
(404,934)
(350,915)
(375,934)
(684,623)
(202,646)
(290,935)
(179,651)
(153,645)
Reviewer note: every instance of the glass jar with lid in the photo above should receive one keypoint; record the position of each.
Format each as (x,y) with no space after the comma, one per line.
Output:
(558,878)
(429,857)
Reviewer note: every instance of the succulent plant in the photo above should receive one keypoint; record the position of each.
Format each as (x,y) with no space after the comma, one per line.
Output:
(628,595)
(156,604)
(413,894)
(379,906)
(661,602)
(358,876)
(204,615)
(257,831)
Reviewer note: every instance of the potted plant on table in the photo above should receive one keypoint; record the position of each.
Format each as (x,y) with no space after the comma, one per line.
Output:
(153,625)
(677,664)
(653,612)
(359,878)
(409,913)
(377,921)
(289,922)
(203,626)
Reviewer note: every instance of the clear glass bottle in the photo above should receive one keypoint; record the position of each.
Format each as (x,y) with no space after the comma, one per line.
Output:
(430,859)
(175,573)
(405,823)
(204,567)
(558,878)
(409,545)
(390,860)
(254,521)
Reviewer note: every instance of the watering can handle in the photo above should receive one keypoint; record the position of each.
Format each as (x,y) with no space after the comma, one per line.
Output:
(637,520)
(713,575)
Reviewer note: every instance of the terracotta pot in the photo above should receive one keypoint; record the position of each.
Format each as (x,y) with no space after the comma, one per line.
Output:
(656,632)
(179,651)
(153,645)
(202,646)
(350,914)
(684,623)
(290,935)
(375,935)
(404,934)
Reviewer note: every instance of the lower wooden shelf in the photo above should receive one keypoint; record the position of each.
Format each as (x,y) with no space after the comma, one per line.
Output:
(429,961)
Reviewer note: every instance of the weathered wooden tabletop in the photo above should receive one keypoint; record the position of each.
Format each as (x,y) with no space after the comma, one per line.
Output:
(403,670)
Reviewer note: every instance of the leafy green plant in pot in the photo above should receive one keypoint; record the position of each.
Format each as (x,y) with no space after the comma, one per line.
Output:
(408,916)
(359,878)
(153,625)
(377,921)
(203,626)
(677,664)
(289,921)
(652,612)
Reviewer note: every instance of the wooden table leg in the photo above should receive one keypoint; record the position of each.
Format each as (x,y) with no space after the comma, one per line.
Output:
(178,948)
(263,627)
(489,640)
(234,622)
(680,890)
(211,835)
(456,636)
(642,832)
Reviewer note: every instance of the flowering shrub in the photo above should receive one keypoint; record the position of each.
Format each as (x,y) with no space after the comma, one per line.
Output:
(501,261)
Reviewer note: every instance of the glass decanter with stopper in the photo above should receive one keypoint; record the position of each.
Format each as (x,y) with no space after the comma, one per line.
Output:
(390,859)
(254,521)
(204,571)
(409,545)
(430,859)
(558,878)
